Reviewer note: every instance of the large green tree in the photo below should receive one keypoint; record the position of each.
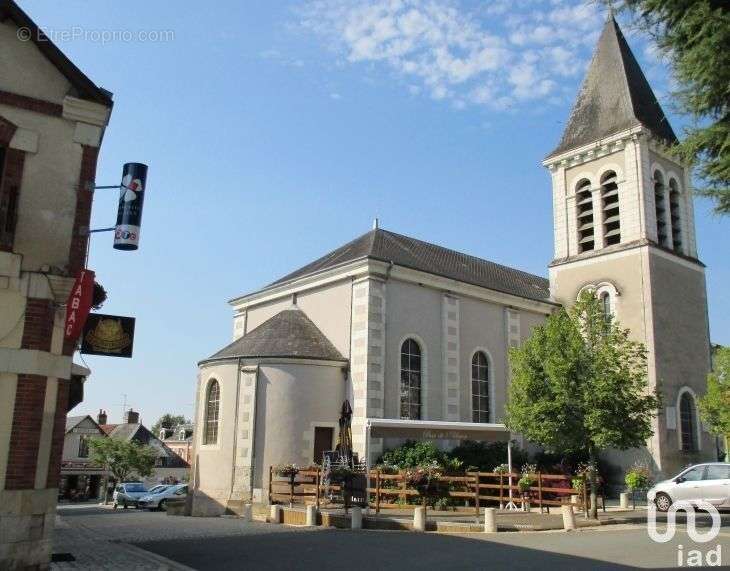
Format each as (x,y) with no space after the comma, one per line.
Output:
(579,385)
(121,458)
(715,405)
(695,35)
(168,420)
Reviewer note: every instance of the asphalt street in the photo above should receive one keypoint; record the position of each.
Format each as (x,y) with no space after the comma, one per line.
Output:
(228,543)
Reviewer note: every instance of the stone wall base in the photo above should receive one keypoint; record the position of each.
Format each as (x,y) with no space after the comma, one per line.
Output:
(27,520)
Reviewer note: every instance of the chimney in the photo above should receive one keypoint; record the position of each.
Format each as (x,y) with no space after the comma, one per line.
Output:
(131,417)
(101,417)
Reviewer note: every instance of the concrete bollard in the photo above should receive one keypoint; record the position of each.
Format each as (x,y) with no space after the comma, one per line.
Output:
(275,515)
(568,517)
(356,518)
(419,519)
(311,515)
(490,520)
(247,514)
(624,500)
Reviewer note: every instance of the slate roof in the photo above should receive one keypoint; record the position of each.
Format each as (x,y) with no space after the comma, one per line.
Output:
(615,96)
(289,333)
(72,421)
(408,252)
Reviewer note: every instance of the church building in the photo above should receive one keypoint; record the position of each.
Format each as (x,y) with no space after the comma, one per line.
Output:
(416,336)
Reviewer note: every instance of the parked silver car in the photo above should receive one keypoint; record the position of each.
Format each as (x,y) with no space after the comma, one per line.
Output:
(158,500)
(127,494)
(701,482)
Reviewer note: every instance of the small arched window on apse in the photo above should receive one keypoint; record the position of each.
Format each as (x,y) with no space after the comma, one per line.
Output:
(611,214)
(584,216)
(675,212)
(410,380)
(212,410)
(688,422)
(480,387)
(660,206)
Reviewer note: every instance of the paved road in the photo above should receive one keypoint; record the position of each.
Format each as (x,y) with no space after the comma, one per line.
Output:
(226,543)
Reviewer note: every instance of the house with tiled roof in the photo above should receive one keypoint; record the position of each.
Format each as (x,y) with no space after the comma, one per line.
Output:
(416,335)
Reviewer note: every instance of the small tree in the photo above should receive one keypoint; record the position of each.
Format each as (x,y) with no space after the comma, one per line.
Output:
(579,384)
(715,405)
(168,420)
(121,459)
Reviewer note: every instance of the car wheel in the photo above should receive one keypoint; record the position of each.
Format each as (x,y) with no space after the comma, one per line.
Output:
(663,502)
(162,505)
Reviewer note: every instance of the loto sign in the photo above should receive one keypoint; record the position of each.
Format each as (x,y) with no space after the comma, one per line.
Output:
(78,305)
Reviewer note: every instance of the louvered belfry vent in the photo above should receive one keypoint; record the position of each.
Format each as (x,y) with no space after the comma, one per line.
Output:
(584,206)
(611,215)
(674,211)
(661,209)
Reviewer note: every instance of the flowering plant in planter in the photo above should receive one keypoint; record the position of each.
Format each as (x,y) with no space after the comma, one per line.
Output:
(525,483)
(287,470)
(501,469)
(342,474)
(424,478)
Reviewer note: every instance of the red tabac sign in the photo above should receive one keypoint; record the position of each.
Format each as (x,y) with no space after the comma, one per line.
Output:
(79,304)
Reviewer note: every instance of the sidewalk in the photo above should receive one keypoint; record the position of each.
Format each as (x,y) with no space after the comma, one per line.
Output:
(93,551)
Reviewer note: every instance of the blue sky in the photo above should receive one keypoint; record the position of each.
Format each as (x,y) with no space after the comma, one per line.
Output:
(276,131)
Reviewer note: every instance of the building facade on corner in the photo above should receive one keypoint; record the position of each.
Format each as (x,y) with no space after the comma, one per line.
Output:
(52,119)
(417,336)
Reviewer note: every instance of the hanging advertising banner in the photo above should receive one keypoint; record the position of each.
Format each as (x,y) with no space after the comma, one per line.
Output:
(109,335)
(131,201)
(78,304)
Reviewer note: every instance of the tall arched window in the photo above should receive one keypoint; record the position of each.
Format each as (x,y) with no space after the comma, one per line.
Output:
(688,422)
(661,209)
(410,380)
(606,306)
(675,213)
(480,387)
(212,407)
(611,216)
(584,214)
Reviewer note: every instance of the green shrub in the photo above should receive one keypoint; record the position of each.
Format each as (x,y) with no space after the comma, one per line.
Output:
(412,454)
(485,456)
(638,478)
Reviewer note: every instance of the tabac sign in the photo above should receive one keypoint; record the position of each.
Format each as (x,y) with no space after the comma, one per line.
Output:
(109,335)
(78,304)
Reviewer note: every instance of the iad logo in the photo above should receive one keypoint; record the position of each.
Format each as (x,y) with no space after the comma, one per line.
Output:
(694,557)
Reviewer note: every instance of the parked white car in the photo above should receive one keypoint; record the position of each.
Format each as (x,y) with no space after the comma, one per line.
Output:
(159,499)
(702,482)
(127,494)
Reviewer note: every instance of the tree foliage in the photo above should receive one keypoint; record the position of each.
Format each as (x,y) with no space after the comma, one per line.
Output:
(122,458)
(168,420)
(715,405)
(695,35)
(579,384)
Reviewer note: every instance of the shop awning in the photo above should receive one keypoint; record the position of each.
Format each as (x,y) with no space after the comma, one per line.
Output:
(437,430)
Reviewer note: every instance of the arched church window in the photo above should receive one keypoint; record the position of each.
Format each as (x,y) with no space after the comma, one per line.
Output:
(212,408)
(611,215)
(584,214)
(674,211)
(410,380)
(688,422)
(661,208)
(480,387)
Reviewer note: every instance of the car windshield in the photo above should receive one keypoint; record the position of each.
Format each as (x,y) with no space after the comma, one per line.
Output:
(158,489)
(135,488)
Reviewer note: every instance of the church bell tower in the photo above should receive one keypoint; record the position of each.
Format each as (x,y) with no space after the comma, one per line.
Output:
(624,227)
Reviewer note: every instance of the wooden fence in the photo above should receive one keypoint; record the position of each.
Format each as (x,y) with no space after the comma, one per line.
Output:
(472,490)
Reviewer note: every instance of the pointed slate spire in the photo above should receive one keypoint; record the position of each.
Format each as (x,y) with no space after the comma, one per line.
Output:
(615,96)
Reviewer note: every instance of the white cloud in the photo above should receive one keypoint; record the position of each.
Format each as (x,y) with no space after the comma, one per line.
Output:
(495,55)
